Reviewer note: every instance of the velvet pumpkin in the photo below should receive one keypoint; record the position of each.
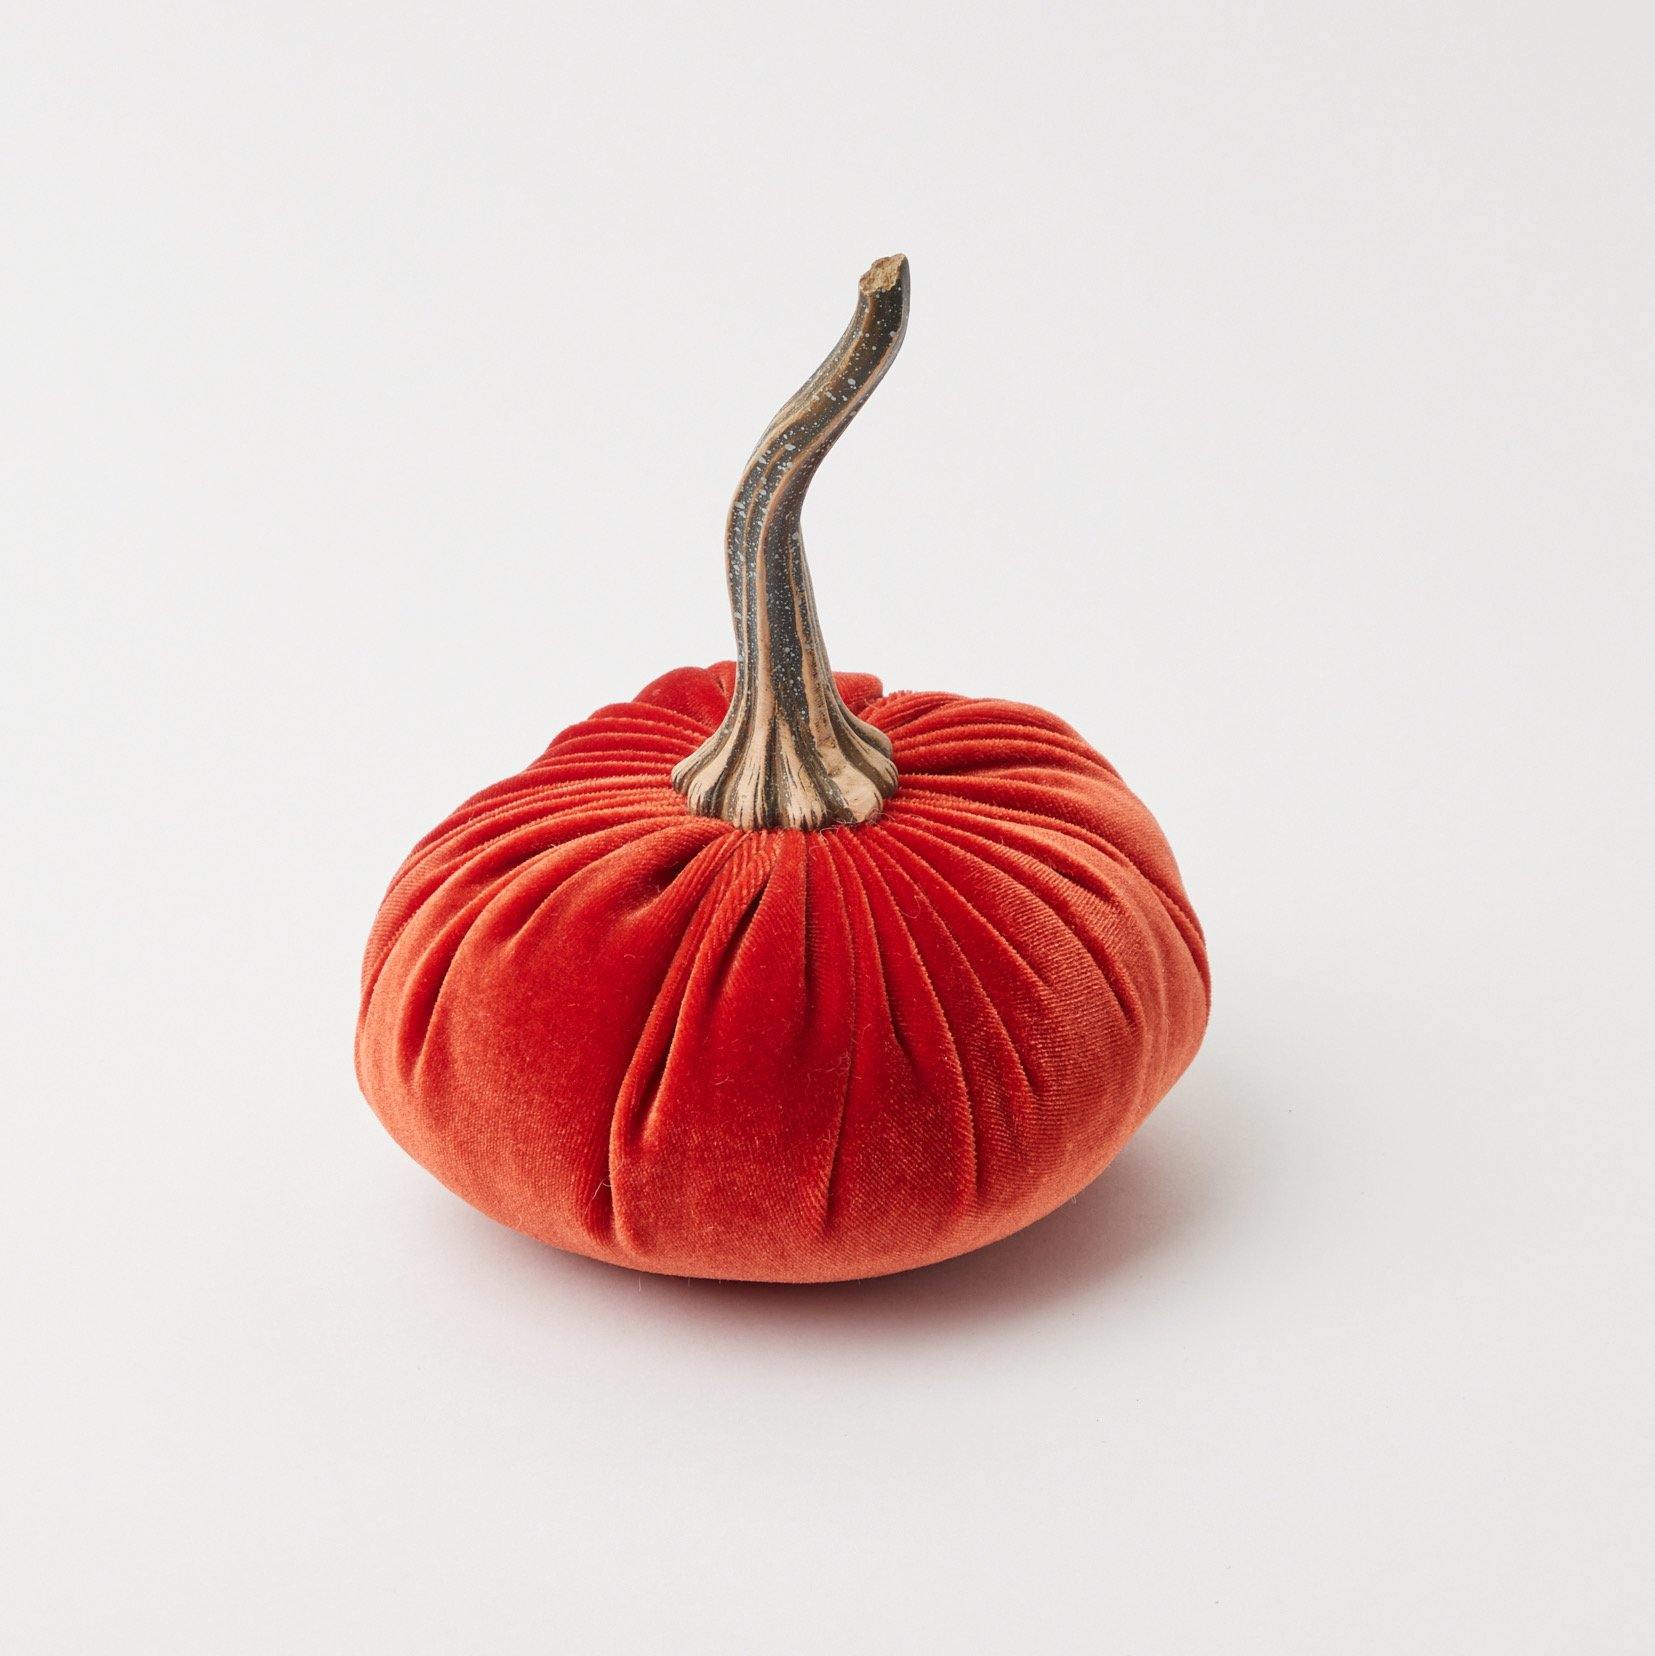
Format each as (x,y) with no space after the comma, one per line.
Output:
(767,974)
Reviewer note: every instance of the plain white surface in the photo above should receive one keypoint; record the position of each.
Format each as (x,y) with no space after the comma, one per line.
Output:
(1277,407)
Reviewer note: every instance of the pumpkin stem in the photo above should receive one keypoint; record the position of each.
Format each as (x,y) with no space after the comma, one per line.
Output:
(790,754)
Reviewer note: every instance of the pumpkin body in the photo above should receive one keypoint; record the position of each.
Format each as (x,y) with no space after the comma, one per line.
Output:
(657,1039)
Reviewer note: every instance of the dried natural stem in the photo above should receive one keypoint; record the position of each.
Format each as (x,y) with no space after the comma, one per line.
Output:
(790,754)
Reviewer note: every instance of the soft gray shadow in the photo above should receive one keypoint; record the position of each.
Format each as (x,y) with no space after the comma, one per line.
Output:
(1173,1179)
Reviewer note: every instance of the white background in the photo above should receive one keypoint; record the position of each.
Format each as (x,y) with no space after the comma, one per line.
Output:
(1276,407)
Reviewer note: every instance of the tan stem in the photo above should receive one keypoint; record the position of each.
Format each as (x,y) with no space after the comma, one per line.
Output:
(789,753)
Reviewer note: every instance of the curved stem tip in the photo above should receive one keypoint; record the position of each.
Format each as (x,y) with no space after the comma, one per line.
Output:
(789,753)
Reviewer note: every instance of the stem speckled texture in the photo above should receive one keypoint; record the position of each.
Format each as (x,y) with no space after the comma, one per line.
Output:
(789,753)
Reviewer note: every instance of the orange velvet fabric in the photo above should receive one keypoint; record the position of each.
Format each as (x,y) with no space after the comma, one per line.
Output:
(655,1039)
